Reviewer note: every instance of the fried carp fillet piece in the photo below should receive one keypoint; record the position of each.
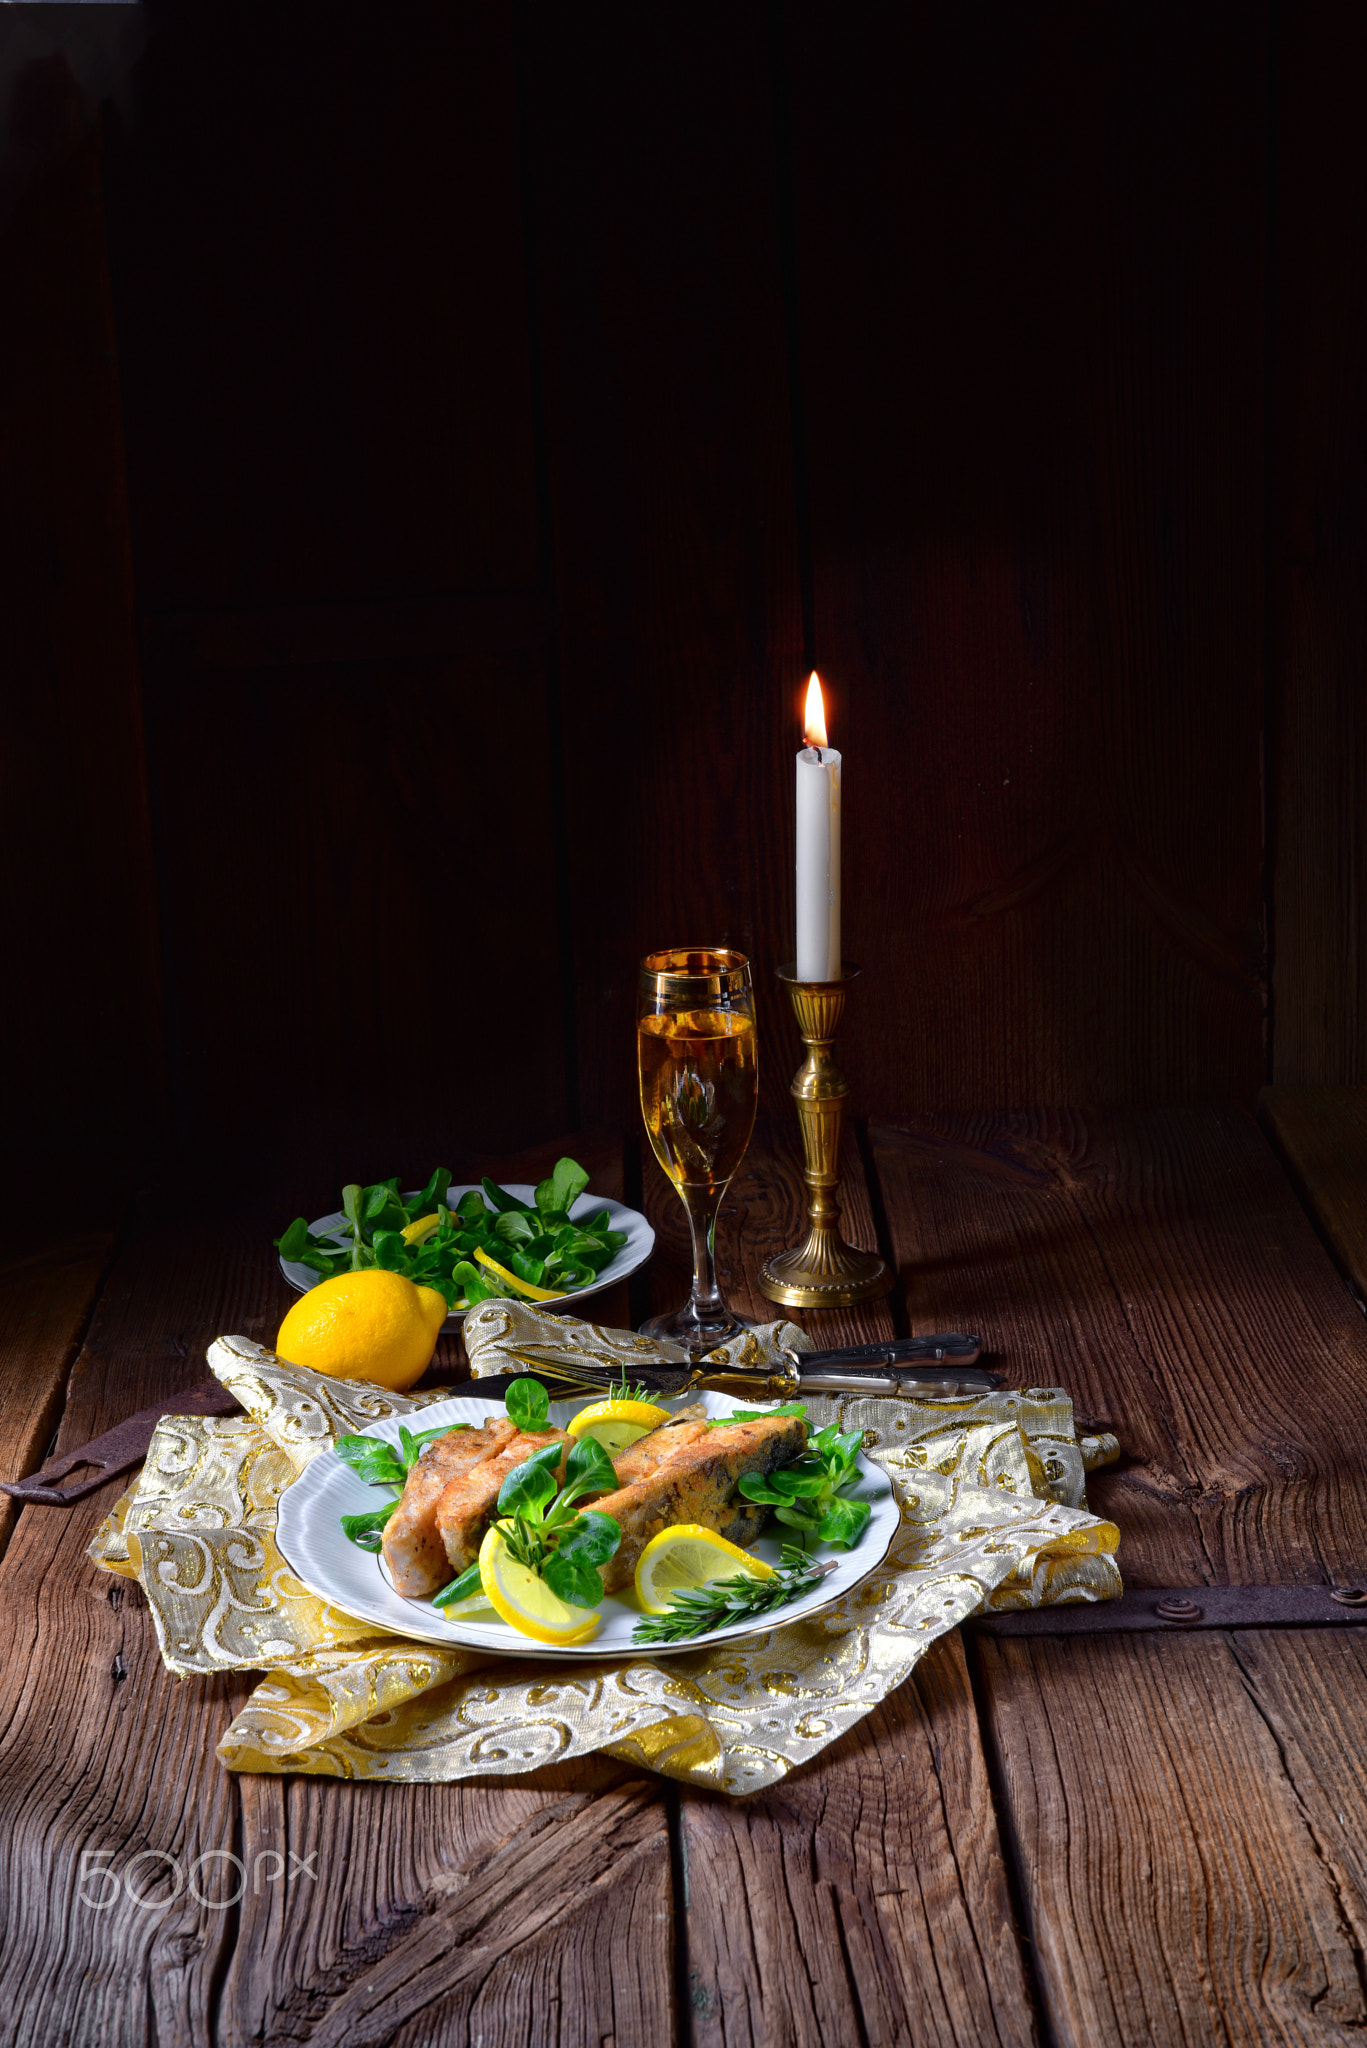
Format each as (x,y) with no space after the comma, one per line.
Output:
(467,1503)
(465,1508)
(413,1548)
(697,1482)
(648,1453)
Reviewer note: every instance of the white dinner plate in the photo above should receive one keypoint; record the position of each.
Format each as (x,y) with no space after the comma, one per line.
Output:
(637,1249)
(310,1537)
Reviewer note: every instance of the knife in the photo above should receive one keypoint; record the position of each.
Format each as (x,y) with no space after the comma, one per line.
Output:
(939,1367)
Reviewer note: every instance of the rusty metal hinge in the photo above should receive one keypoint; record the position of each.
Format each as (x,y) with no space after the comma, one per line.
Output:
(1175,1609)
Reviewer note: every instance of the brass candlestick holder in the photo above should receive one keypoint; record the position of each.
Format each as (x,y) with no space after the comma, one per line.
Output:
(823,1271)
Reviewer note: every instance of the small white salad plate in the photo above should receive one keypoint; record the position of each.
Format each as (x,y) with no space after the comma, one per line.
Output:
(637,1249)
(310,1537)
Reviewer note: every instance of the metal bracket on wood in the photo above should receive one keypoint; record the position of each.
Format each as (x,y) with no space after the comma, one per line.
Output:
(1180,1609)
(117,1449)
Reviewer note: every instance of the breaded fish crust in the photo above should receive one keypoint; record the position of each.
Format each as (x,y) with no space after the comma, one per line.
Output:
(413,1547)
(698,1483)
(648,1453)
(465,1506)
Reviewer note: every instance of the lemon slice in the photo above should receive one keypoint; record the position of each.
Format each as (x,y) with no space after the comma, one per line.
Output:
(419,1232)
(616,1424)
(516,1286)
(684,1557)
(526,1602)
(473,1604)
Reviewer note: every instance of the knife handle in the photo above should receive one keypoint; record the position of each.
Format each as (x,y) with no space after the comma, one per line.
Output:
(942,1384)
(943,1347)
(751,1386)
(939,1383)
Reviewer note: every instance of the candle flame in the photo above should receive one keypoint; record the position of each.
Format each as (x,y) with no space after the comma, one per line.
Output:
(814,718)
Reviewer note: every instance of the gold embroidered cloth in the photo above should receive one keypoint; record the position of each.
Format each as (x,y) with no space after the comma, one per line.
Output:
(993,1514)
(497,1331)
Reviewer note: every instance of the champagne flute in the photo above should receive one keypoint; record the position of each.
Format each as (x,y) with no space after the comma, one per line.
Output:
(696,1056)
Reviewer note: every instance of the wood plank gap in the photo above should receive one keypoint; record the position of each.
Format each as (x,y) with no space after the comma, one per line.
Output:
(1273,201)
(1317,1198)
(546,555)
(1191,1818)
(678,1888)
(219,1974)
(1010,1840)
(776,34)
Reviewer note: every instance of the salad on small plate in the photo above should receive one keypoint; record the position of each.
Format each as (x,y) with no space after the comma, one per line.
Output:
(474,1242)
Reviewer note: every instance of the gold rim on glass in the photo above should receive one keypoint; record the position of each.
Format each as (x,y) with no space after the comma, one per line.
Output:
(695,971)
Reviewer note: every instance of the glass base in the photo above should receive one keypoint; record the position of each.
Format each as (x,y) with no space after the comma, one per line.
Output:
(698,1334)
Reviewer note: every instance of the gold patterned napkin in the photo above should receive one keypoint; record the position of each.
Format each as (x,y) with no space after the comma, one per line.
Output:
(993,1514)
(496,1332)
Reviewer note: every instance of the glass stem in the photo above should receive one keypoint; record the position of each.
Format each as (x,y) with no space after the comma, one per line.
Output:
(702,1204)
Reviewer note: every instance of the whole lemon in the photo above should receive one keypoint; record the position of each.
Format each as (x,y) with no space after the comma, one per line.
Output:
(370,1325)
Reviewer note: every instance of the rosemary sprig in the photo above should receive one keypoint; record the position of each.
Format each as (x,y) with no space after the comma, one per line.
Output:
(622,1392)
(728,1600)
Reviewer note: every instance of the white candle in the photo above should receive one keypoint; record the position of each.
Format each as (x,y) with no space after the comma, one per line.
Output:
(818,848)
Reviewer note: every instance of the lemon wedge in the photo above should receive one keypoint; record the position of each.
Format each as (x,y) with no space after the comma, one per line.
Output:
(684,1557)
(463,1610)
(616,1424)
(419,1232)
(526,1602)
(514,1285)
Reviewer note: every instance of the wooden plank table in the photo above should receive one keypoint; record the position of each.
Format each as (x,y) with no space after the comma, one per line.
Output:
(1076,1840)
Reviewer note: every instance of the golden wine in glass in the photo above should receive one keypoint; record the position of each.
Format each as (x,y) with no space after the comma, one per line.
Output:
(696,1056)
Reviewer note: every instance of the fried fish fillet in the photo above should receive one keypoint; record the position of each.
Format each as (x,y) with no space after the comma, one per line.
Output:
(413,1547)
(698,1483)
(648,1453)
(466,1504)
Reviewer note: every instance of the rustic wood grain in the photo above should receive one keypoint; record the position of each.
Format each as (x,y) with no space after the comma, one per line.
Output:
(344,965)
(80,1023)
(1317,563)
(1189,1817)
(319,271)
(642,333)
(323,313)
(1156,1264)
(653,180)
(534,1907)
(865,1898)
(45,1300)
(1031,309)
(1322,1135)
(764,1211)
(102,1751)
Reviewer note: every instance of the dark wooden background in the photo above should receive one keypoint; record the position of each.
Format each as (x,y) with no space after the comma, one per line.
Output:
(435,442)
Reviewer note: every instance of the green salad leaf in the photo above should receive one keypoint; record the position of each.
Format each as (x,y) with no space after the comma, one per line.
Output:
(805,1494)
(379,1464)
(528,1404)
(537,1244)
(537,1515)
(756,1414)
